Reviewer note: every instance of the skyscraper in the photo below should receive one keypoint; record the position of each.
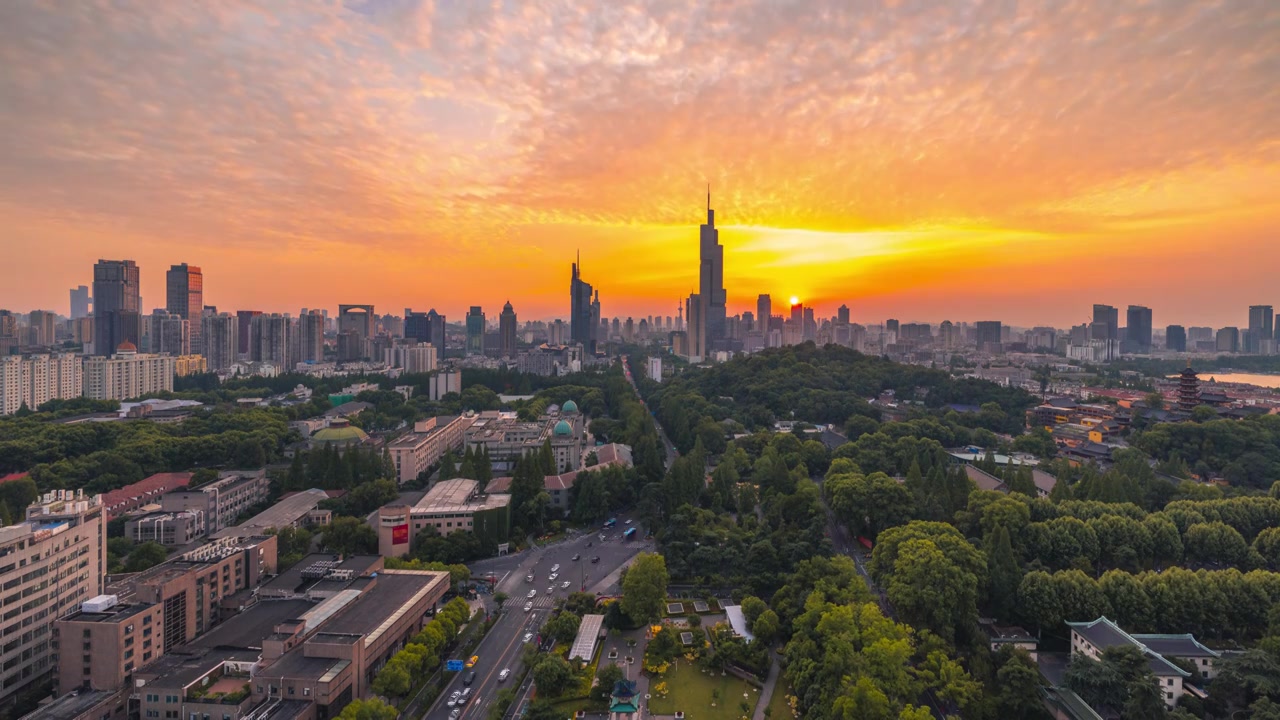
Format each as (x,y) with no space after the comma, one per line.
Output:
(311,337)
(989,332)
(116,305)
(1138,332)
(711,293)
(79,302)
(507,330)
(220,333)
(1175,338)
(475,331)
(170,333)
(584,311)
(425,327)
(184,297)
(1228,339)
(764,311)
(356,318)
(697,334)
(271,340)
(243,320)
(842,314)
(1261,329)
(1106,319)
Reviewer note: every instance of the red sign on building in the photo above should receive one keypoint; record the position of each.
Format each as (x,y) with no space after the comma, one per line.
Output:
(400,534)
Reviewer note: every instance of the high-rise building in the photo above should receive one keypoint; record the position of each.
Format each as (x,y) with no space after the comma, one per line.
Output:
(419,358)
(810,325)
(1138,330)
(62,548)
(221,333)
(42,328)
(891,326)
(1261,329)
(507,330)
(696,336)
(1175,338)
(1106,327)
(711,292)
(475,331)
(356,318)
(127,375)
(584,310)
(842,314)
(311,337)
(171,333)
(116,306)
(243,320)
(271,340)
(764,311)
(79,302)
(988,337)
(184,296)
(34,380)
(425,327)
(1228,339)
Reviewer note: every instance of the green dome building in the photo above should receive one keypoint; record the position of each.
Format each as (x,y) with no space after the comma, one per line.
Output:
(563,429)
(569,407)
(340,433)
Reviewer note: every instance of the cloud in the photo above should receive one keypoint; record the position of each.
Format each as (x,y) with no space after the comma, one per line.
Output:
(464,130)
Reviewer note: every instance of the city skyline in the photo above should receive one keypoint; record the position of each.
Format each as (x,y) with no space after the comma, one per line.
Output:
(950,163)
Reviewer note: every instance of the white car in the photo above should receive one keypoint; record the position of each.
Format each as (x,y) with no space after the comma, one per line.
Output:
(564,585)
(533,594)
(555,568)
(453,699)
(552,577)
(550,590)
(528,606)
(627,522)
(502,676)
(528,637)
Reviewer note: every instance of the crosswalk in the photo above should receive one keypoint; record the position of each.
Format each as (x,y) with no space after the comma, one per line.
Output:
(541,601)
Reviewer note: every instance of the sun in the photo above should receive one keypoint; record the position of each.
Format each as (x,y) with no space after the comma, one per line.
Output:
(795,300)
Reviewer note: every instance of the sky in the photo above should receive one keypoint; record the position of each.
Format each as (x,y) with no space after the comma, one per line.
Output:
(921,160)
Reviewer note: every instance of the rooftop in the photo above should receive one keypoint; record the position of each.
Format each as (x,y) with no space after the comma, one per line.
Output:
(316,568)
(118,613)
(584,645)
(1103,633)
(459,495)
(384,601)
(72,704)
(284,513)
(738,622)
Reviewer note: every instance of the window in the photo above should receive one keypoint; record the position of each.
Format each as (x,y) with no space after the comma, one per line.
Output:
(1169,682)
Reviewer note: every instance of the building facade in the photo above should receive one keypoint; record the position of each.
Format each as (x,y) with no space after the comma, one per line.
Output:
(311,337)
(36,379)
(450,506)
(271,340)
(507,330)
(222,501)
(117,305)
(221,336)
(127,374)
(184,297)
(415,452)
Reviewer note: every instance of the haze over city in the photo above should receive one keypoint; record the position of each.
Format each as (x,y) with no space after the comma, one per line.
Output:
(923,161)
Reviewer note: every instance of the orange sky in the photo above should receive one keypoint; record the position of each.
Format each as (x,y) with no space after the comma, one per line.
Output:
(925,161)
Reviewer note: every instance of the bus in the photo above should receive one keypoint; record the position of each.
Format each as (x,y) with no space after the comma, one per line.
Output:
(629,534)
(610,523)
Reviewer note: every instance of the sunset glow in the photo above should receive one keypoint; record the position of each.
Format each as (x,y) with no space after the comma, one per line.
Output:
(914,160)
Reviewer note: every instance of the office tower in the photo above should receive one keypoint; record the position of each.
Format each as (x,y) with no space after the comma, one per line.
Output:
(696,337)
(584,311)
(1138,331)
(1106,327)
(764,311)
(748,321)
(1261,329)
(243,320)
(842,314)
(810,325)
(170,333)
(127,375)
(79,302)
(475,331)
(711,293)
(184,296)
(311,337)
(271,340)
(116,306)
(8,325)
(1175,338)
(891,326)
(507,330)
(34,380)
(56,560)
(988,337)
(425,327)
(357,319)
(42,327)
(221,334)
(1228,339)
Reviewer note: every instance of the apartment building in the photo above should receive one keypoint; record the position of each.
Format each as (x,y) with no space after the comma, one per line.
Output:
(415,452)
(144,492)
(222,501)
(49,564)
(36,379)
(127,374)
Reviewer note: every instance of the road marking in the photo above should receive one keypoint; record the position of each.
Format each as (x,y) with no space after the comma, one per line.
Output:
(483,683)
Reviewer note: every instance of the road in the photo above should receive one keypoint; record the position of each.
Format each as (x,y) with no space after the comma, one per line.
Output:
(504,645)
(666,442)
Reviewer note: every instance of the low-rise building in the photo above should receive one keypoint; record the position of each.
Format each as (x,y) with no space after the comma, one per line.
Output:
(221,501)
(1092,638)
(298,510)
(507,439)
(415,452)
(449,506)
(144,492)
(559,487)
(172,529)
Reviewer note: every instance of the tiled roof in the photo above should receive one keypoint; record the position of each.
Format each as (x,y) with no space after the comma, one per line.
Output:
(1102,634)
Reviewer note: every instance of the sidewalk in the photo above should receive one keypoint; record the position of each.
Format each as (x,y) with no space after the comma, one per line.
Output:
(766,692)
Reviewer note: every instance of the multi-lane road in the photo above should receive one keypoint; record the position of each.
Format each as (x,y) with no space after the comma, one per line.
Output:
(503,647)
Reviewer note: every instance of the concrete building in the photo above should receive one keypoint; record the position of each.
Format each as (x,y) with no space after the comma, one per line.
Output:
(49,564)
(443,383)
(560,487)
(271,340)
(185,365)
(298,510)
(144,492)
(507,331)
(415,452)
(170,333)
(475,330)
(507,439)
(449,506)
(171,529)
(103,642)
(127,374)
(184,297)
(425,327)
(358,319)
(36,379)
(1091,638)
(220,338)
(221,501)
(79,302)
(311,337)
(117,305)
(655,369)
(416,358)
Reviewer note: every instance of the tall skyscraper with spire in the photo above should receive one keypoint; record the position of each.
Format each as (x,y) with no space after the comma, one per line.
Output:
(584,309)
(706,324)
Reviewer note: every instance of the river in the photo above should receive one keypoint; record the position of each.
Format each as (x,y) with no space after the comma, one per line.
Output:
(1269,381)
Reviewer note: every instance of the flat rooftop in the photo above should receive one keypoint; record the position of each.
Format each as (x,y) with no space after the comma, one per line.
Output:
(285,513)
(247,629)
(71,705)
(384,601)
(119,613)
(459,495)
(298,579)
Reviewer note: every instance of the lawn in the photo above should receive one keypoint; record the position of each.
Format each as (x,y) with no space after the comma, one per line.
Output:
(690,690)
(778,708)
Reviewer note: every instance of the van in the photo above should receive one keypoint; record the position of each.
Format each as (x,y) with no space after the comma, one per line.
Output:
(467,680)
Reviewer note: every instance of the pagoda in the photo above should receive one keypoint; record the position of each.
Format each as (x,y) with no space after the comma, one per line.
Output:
(623,701)
(1188,389)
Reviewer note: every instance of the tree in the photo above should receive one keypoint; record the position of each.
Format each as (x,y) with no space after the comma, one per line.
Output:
(371,709)
(644,588)
(146,555)
(752,607)
(932,592)
(765,628)
(350,536)
(552,676)
(1019,683)
(1006,576)
(393,680)
(610,674)
(563,626)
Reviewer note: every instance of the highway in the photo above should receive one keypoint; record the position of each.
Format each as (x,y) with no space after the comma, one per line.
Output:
(504,645)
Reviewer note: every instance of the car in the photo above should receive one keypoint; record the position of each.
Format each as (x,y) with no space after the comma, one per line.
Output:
(454,715)
(528,606)
(552,577)
(576,557)
(528,637)
(472,661)
(555,568)
(550,590)
(453,699)
(627,522)
(564,585)
(595,559)
(528,578)
(502,676)
(466,695)
(470,678)
(533,593)
(601,537)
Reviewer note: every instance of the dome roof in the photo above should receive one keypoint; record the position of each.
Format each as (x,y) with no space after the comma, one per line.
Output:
(563,428)
(339,432)
(126,347)
(569,406)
